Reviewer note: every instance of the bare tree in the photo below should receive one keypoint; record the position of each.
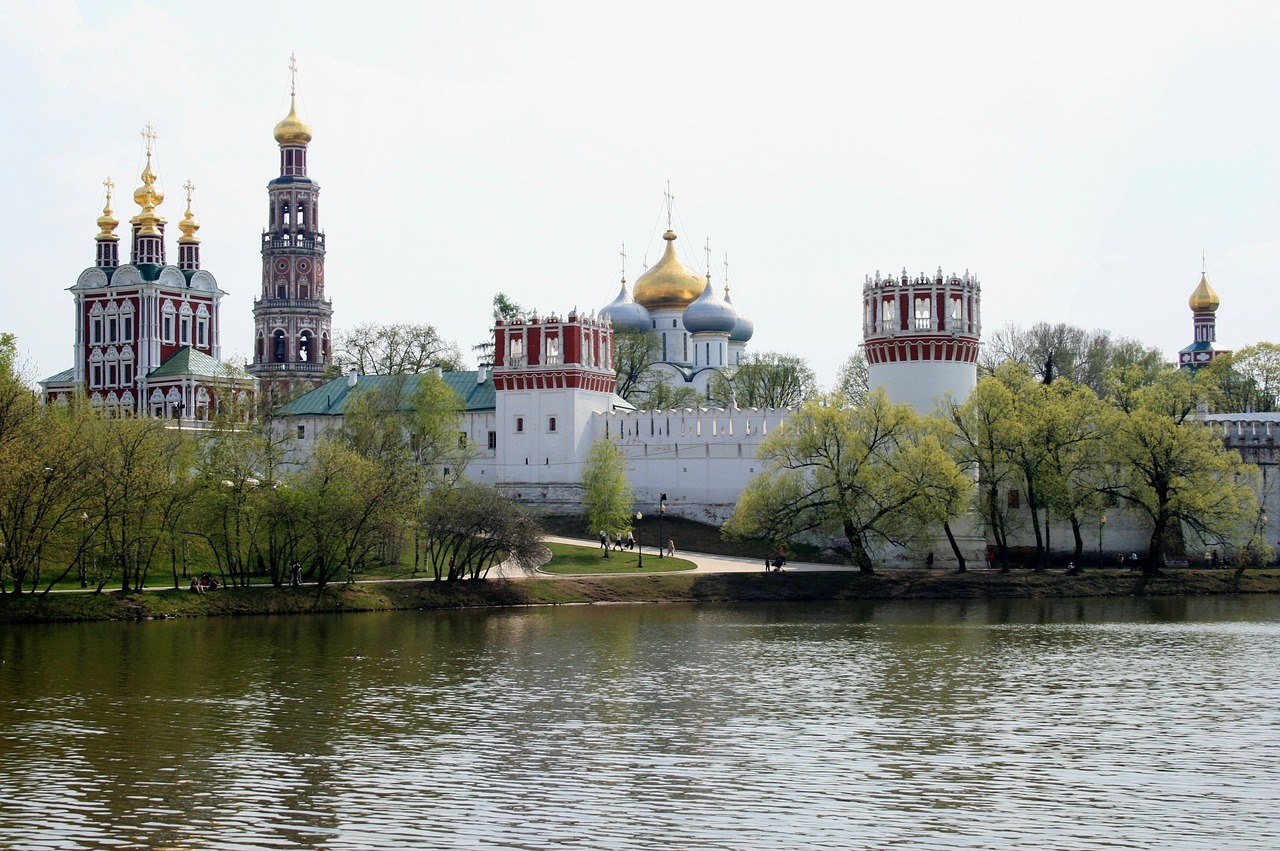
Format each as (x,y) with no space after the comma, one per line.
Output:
(397,349)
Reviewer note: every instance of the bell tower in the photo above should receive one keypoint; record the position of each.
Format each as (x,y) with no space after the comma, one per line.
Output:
(292,318)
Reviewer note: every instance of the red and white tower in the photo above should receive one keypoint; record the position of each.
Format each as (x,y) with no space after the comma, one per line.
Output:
(921,336)
(549,376)
(292,318)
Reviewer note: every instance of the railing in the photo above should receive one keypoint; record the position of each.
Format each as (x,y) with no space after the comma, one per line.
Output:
(289,241)
(298,367)
(295,303)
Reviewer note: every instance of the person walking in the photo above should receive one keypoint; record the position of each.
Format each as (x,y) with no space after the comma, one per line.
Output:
(631,540)
(671,547)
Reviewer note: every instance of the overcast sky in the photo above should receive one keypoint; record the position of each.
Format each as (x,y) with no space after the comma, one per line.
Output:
(1077,157)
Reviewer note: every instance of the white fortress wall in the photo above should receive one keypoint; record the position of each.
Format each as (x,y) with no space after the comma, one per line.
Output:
(701,458)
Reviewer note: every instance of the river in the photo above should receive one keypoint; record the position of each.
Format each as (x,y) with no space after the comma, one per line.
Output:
(1079,724)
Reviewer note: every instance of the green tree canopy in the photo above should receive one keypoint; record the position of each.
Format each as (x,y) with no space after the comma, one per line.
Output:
(607,499)
(871,473)
(765,380)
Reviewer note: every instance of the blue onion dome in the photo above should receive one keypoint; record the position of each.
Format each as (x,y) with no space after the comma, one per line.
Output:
(744,327)
(710,314)
(625,313)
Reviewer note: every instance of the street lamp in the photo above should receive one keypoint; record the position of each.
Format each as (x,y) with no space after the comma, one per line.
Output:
(639,546)
(1102,524)
(84,540)
(662,512)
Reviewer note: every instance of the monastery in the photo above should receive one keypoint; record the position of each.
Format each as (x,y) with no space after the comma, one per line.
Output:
(147,344)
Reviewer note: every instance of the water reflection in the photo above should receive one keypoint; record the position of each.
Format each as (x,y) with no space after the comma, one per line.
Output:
(959,724)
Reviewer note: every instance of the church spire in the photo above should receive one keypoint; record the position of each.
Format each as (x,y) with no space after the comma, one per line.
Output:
(148,225)
(189,243)
(108,241)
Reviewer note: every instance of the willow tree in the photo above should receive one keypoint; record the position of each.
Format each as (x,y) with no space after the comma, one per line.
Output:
(871,474)
(607,499)
(1174,472)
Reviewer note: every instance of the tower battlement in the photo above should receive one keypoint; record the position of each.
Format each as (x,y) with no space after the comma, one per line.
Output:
(921,335)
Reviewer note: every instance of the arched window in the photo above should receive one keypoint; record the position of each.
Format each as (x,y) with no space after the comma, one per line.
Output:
(305,354)
(277,347)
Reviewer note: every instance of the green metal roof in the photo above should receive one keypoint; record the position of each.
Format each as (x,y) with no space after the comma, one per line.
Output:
(188,361)
(330,398)
(65,375)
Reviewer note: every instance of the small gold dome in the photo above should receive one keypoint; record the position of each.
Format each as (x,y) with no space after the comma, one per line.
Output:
(107,222)
(669,284)
(189,225)
(292,130)
(1204,298)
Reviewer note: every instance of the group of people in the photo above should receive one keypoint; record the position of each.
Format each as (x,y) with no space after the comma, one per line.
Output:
(204,582)
(628,542)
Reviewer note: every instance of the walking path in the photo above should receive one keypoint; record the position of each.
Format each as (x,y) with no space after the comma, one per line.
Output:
(706,563)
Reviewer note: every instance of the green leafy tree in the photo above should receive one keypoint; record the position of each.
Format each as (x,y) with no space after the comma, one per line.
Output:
(766,380)
(641,381)
(607,499)
(853,382)
(139,488)
(470,528)
(1175,473)
(868,473)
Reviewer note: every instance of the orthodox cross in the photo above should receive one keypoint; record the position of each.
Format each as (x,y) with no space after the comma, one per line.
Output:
(293,74)
(149,133)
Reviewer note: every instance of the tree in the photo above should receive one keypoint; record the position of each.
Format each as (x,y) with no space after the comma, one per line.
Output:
(870,473)
(766,380)
(506,310)
(139,486)
(641,381)
(349,504)
(396,349)
(607,499)
(853,382)
(1052,351)
(470,528)
(1245,381)
(1175,472)
(979,440)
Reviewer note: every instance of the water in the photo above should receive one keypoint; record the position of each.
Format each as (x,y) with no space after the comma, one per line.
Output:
(1008,724)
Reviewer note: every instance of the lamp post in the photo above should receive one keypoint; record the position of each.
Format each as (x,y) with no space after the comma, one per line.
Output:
(639,546)
(84,541)
(1102,524)
(662,512)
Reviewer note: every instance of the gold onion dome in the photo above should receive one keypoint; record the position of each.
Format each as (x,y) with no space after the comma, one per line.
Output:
(668,284)
(1204,298)
(189,225)
(292,130)
(107,222)
(148,197)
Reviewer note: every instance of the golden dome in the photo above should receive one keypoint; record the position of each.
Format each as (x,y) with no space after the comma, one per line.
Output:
(107,222)
(669,284)
(148,197)
(1204,298)
(292,130)
(189,225)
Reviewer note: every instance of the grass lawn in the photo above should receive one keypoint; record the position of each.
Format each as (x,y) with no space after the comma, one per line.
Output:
(570,559)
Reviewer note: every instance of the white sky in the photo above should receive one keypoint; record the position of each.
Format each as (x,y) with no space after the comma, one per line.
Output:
(1078,157)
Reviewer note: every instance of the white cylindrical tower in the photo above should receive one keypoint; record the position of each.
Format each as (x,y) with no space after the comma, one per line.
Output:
(921,336)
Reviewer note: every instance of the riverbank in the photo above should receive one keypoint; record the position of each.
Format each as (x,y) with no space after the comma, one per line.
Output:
(663,588)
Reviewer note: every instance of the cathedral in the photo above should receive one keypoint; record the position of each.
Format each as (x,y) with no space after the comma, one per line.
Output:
(147,332)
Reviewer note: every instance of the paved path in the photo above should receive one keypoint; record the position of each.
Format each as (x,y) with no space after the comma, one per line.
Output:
(705,562)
